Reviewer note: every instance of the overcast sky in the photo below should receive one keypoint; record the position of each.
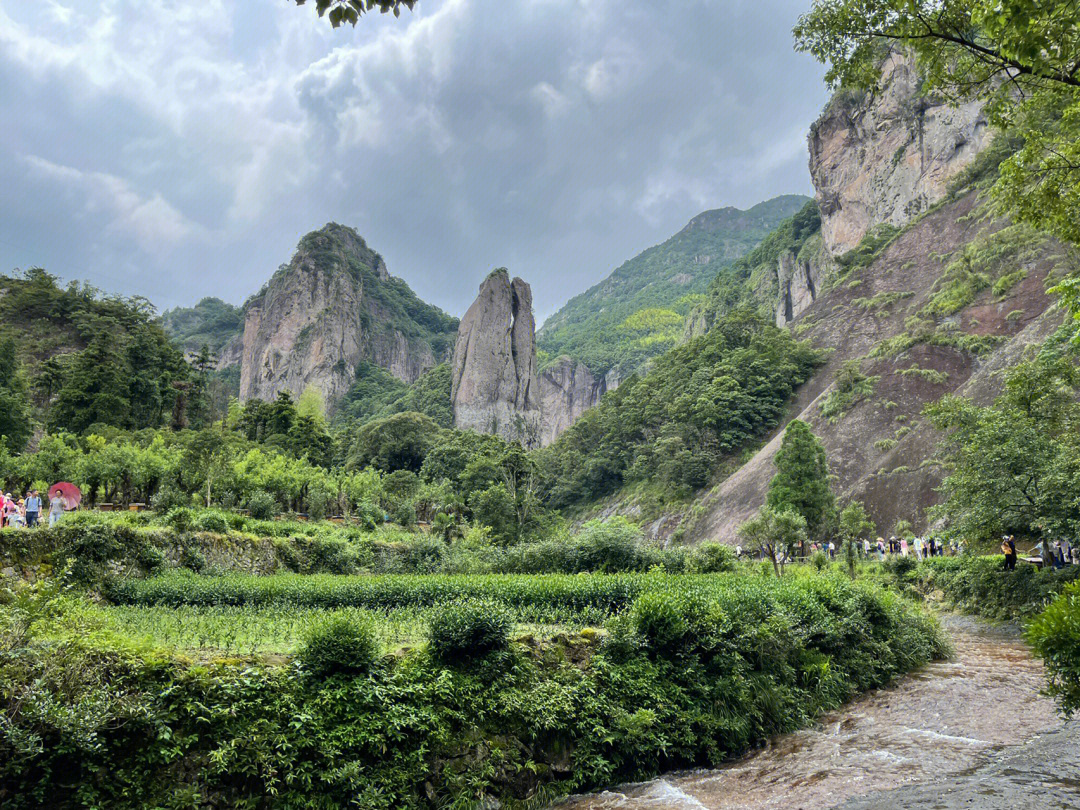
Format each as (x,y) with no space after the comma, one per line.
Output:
(180,148)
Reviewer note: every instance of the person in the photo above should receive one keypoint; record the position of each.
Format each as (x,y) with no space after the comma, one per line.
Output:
(903,547)
(881,549)
(866,548)
(1066,551)
(1008,548)
(1059,561)
(33,508)
(10,507)
(56,508)
(832,550)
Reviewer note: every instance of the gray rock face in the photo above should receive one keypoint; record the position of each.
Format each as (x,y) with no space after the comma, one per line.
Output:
(494,375)
(799,283)
(567,390)
(888,157)
(331,307)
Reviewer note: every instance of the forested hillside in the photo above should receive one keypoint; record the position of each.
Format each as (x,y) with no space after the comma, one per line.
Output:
(76,358)
(638,312)
(211,323)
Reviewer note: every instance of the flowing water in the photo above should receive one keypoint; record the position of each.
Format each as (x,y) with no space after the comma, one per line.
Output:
(944,722)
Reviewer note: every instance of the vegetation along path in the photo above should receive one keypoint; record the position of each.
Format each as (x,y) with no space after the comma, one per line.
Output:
(970,732)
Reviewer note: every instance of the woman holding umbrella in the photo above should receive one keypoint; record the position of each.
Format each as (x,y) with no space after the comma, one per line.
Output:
(62,496)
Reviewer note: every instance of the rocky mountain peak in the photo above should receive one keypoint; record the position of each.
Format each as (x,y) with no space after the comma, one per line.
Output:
(331,307)
(494,368)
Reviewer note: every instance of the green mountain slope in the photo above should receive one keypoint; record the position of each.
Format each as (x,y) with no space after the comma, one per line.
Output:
(211,322)
(637,312)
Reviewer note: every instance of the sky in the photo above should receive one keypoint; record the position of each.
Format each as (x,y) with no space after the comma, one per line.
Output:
(176,149)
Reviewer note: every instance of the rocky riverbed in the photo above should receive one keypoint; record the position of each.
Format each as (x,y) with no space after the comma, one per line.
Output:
(972,732)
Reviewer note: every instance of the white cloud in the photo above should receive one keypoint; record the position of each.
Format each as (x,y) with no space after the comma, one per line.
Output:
(151,221)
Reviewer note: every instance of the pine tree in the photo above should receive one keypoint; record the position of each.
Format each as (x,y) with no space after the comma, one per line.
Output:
(801,483)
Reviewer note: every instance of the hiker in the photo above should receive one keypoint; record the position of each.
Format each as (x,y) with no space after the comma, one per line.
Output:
(56,508)
(1008,548)
(903,547)
(881,549)
(33,508)
(866,548)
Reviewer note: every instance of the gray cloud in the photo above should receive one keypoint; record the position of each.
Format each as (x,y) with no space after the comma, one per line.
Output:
(176,149)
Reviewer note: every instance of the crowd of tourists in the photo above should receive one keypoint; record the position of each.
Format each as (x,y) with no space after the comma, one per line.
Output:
(26,511)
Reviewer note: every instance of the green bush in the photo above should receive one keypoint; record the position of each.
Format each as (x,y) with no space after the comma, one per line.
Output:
(609,546)
(341,645)
(465,631)
(1055,636)
(180,518)
(820,560)
(214,522)
(262,505)
(711,557)
(168,497)
(658,619)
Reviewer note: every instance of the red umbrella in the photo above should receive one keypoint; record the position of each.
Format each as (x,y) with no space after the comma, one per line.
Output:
(69,492)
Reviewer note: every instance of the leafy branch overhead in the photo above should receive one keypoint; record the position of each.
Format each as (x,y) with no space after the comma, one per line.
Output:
(349,11)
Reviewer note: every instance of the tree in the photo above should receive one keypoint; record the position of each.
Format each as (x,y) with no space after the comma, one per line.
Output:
(206,457)
(15,425)
(349,11)
(801,482)
(774,533)
(1021,56)
(1014,466)
(398,442)
(312,404)
(855,524)
(96,389)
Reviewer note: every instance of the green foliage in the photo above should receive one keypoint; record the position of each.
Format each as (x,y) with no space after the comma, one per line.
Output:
(340,646)
(211,323)
(465,631)
(398,442)
(262,505)
(349,11)
(636,313)
(1014,465)
(377,394)
(757,658)
(16,424)
(90,360)
(775,533)
(711,557)
(1055,637)
(702,402)
(751,280)
(852,387)
(981,585)
(801,483)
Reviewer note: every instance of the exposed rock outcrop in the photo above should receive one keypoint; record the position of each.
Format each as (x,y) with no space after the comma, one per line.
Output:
(799,282)
(567,390)
(331,307)
(888,157)
(494,370)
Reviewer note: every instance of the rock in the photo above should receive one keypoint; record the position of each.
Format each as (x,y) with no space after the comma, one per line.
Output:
(888,157)
(331,307)
(567,390)
(798,282)
(494,387)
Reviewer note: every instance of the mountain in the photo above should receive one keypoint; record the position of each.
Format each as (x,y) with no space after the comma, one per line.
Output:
(211,322)
(637,312)
(331,308)
(912,286)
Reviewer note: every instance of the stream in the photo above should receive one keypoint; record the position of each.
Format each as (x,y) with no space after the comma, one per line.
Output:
(972,732)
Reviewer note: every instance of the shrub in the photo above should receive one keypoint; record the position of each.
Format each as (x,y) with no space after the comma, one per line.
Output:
(466,631)
(179,518)
(609,546)
(192,559)
(318,501)
(1055,636)
(166,498)
(711,558)
(820,560)
(262,505)
(404,514)
(901,568)
(341,645)
(657,619)
(212,522)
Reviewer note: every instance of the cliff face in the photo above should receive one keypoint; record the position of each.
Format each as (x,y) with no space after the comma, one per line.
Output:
(331,307)
(888,157)
(567,390)
(494,370)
